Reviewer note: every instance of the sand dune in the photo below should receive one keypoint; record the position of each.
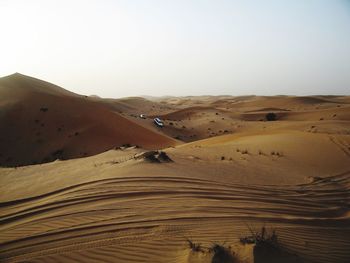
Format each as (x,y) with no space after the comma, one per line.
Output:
(48,123)
(231,170)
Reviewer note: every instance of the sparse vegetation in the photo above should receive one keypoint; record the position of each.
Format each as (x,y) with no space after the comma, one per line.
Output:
(261,236)
(277,153)
(163,157)
(195,247)
(222,254)
(266,247)
(154,157)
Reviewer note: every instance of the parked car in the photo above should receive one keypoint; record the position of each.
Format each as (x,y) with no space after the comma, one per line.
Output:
(158,122)
(142,116)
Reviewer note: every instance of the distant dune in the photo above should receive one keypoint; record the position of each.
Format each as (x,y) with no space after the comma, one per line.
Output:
(248,179)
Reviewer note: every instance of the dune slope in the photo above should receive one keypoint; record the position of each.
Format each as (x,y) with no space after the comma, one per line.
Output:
(41,122)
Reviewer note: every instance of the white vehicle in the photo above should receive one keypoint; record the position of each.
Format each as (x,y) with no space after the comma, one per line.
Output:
(142,116)
(158,122)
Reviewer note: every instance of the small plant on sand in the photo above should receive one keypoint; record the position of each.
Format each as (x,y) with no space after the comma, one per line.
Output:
(245,151)
(260,152)
(195,247)
(258,237)
(279,154)
(267,248)
(276,153)
(163,157)
(222,254)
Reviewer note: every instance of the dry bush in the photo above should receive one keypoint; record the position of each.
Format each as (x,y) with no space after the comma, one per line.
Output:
(195,247)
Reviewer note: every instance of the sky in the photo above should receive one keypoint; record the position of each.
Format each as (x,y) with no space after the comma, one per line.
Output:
(179,47)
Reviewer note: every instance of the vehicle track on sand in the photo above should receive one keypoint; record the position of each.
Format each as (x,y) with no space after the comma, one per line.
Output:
(129,210)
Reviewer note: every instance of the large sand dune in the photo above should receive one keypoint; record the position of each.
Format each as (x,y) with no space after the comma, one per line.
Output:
(41,122)
(231,170)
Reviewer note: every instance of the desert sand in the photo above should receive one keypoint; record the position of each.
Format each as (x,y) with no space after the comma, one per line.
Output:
(85,179)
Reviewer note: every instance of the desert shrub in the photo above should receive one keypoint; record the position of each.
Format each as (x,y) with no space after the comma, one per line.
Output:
(163,157)
(222,254)
(267,248)
(195,247)
(257,237)
(222,158)
(270,116)
(245,151)
(151,159)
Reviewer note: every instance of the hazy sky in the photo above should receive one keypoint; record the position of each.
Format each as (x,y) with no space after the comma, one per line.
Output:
(180,47)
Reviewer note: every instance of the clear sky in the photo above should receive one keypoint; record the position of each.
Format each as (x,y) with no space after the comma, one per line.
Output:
(179,47)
